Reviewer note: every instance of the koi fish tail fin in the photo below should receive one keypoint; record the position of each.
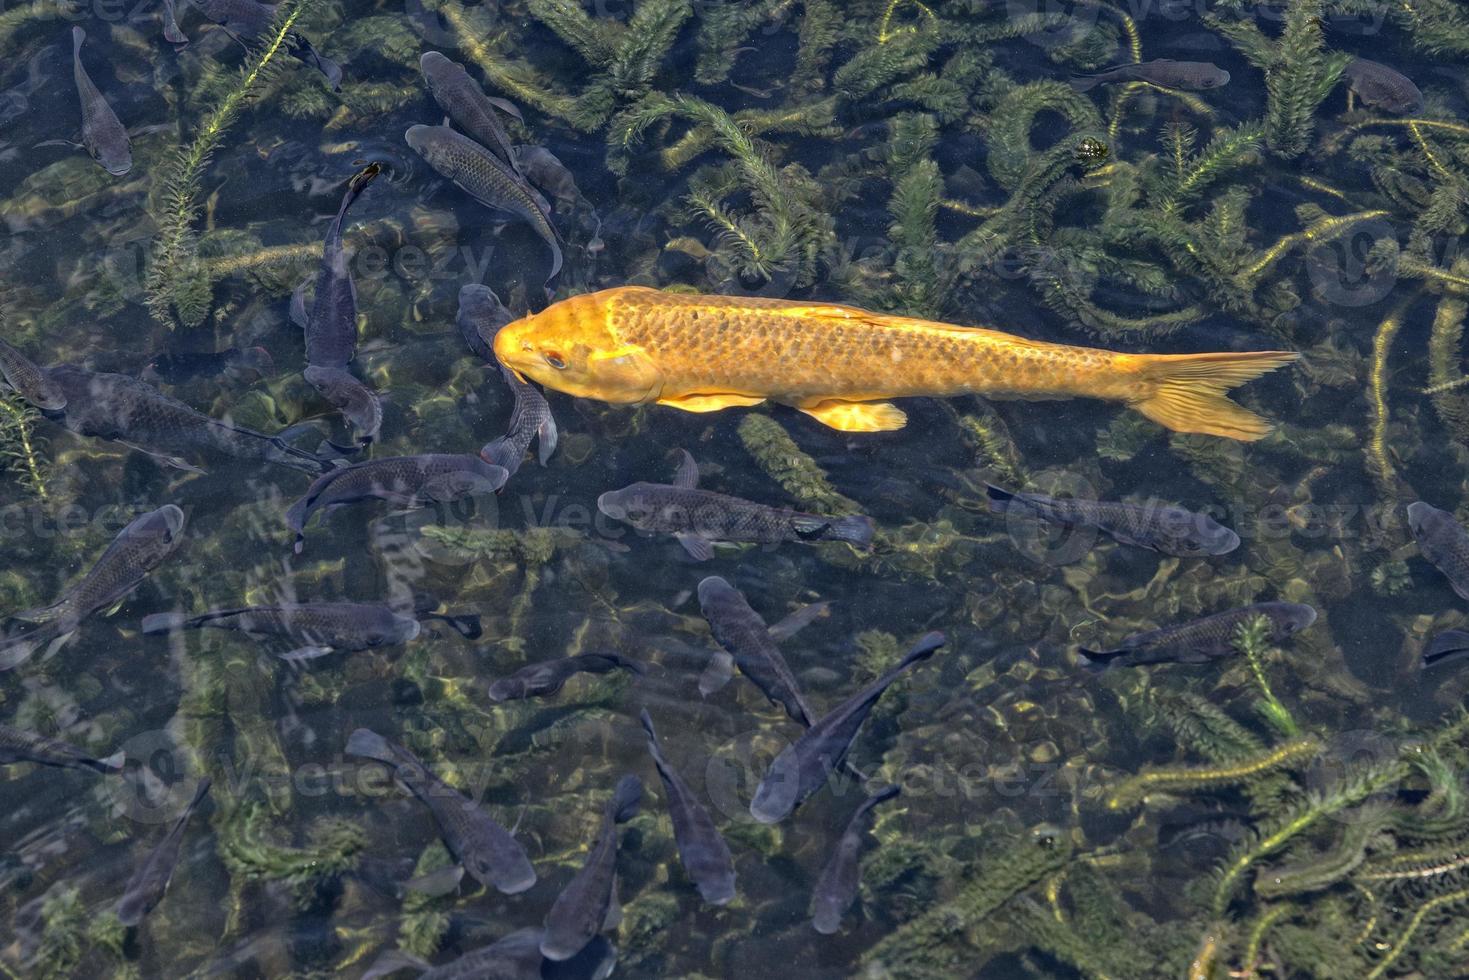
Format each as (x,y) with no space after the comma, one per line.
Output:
(1185,392)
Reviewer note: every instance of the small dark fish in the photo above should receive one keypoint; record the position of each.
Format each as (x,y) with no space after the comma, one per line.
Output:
(581,909)
(331,328)
(515,957)
(1200,640)
(836,889)
(542,168)
(740,630)
(1447,647)
(1164,71)
(697,517)
(407,481)
(134,413)
(171,32)
(487,850)
(103,134)
(702,850)
(1382,87)
(317,628)
(29,380)
(721,665)
(179,367)
(1444,542)
(1158,527)
(246,21)
(543,679)
(466,103)
(487,179)
(802,768)
(138,549)
(146,887)
(481,315)
(17,745)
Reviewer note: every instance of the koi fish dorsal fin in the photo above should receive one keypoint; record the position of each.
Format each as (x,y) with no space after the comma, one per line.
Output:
(1187,391)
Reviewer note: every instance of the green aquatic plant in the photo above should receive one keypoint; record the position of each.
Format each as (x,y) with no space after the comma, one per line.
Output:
(1292,754)
(783,461)
(176,284)
(1251,639)
(20,447)
(245,845)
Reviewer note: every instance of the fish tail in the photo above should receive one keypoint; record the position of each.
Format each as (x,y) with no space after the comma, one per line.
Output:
(112,763)
(501,453)
(857,529)
(1185,392)
(927,646)
(42,614)
(1085,83)
(1446,647)
(999,498)
(77,37)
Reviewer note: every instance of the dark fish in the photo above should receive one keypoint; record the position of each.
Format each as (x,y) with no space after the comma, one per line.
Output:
(407,481)
(481,315)
(697,517)
(542,679)
(487,179)
(704,853)
(246,21)
(1200,640)
(542,168)
(803,767)
(29,380)
(741,631)
(1164,71)
(1447,647)
(178,367)
(515,957)
(721,664)
(1444,542)
(102,133)
(1158,527)
(466,103)
(317,628)
(133,412)
(146,887)
(581,909)
(17,745)
(331,328)
(171,32)
(138,549)
(1382,87)
(836,889)
(487,850)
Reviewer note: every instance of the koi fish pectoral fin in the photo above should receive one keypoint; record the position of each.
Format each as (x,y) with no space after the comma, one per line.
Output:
(709,403)
(857,416)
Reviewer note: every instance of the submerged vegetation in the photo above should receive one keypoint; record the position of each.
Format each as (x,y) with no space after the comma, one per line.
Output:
(1293,809)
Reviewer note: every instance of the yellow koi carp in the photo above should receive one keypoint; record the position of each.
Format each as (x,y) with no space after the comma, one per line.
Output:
(840,364)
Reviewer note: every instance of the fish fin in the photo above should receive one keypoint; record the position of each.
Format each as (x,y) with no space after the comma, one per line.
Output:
(305,653)
(1446,647)
(162,623)
(687,476)
(856,530)
(698,548)
(370,745)
(41,614)
(1000,499)
(1187,391)
(717,674)
(500,453)
(546,436)
(1085,83)
(298,313)
(436,883)
(509,108)
(810,528)
(799,620)
(165,459)
(626,799)
(171,32)
(613,918)
(1097,661)
(466,625)
(69,144)
(709,403)
(857,416)
(111,763)
(392,961)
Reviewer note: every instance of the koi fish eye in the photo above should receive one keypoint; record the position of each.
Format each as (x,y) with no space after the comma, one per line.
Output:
(555,360)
